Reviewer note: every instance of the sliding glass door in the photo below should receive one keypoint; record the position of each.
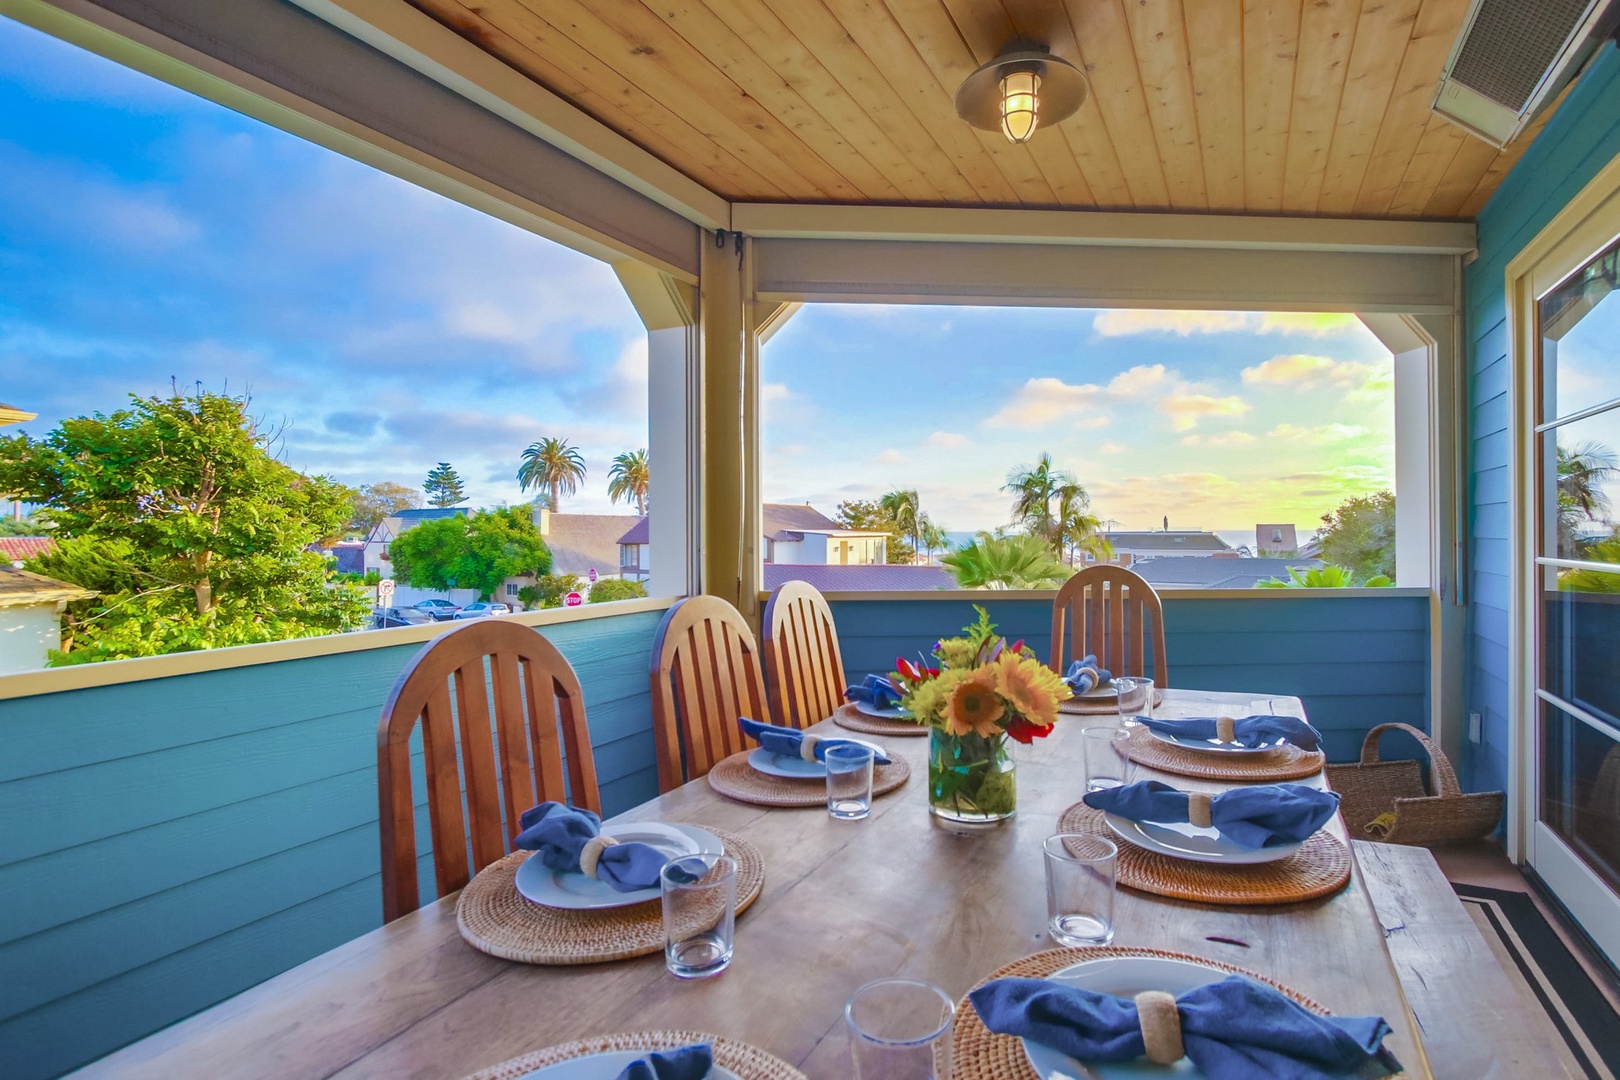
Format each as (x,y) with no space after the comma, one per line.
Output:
(1575,567)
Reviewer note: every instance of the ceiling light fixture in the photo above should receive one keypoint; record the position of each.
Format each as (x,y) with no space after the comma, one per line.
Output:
(1022,90)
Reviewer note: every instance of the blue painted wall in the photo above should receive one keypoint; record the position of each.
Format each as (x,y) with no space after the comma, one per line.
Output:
(166,844)
(1580,139)
(1356,661)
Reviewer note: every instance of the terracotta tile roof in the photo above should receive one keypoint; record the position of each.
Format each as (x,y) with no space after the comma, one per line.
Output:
(16,549)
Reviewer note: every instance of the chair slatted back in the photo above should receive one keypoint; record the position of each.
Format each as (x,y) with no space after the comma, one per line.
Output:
(482,769)
(804,669)
(705,673)
(1113,613)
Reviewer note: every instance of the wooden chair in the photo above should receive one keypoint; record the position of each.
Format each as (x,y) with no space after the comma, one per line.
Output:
(705,673)
(538,735)
(1107,610)
(804,670)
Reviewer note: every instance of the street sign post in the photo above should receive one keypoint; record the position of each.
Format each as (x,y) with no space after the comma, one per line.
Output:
(593,575)
(385,590)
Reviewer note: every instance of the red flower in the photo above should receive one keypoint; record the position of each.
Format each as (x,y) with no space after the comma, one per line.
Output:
(1025,732)
(911,672)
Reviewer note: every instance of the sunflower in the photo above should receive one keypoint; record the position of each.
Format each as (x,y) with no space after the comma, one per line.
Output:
(1030,687)
(974,707)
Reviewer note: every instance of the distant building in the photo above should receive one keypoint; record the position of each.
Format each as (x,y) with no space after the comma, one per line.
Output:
(391,527)
(1195,572)
(31,618)
(348,557)
(1275,539)
(16,550)
(880,578)
(795,534)
(1131,548)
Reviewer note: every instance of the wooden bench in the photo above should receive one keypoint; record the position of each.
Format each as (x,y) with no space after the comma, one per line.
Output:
(1474,1021)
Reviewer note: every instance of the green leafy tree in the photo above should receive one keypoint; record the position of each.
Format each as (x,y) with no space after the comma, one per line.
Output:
(553,465)
(551,588)
(444,486)
(1020,561)
(1323,577)
(177,514)
(616,589)
(629,479)
(373,502)
(24,526)
(868,515)
(1360,535)
(477,552)
(1595,581)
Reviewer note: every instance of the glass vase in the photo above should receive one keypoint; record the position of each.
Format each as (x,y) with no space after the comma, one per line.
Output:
(971,779)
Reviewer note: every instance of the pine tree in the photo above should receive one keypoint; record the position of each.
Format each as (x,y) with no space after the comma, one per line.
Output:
(443,486)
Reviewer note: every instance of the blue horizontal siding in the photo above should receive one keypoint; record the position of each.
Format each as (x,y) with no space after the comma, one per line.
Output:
(172,842)
(1581,138)
(1355,661)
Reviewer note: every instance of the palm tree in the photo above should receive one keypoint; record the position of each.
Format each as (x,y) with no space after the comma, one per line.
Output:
(629,477)
(1078,530)
(905,510)
(934,537)
(1020,561)
(554,465)
(1583,471)
(1033,490)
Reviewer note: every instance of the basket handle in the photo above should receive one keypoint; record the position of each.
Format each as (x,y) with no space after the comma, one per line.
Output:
(1441,775)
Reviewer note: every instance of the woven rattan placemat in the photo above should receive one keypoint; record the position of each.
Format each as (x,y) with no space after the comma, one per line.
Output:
(977,1054)
(1319,868)
(1106,706)
(1287,762)
(744,1059)
(495,918)
(848,716)
(736,779)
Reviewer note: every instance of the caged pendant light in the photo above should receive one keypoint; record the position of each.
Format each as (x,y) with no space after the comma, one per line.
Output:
(1022,90)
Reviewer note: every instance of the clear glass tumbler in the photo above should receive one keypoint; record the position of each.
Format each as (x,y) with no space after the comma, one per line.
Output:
(700,914)
(900,1029)
(1135,699)
(1080,888)
(1107,756)
(849,781)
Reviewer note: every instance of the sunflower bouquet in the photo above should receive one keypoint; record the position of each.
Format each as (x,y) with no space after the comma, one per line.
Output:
(983,692)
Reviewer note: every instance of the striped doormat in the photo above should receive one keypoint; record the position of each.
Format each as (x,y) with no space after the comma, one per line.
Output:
(1521,936)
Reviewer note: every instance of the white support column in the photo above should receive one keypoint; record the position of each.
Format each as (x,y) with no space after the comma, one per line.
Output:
(671,439)
(1413,458)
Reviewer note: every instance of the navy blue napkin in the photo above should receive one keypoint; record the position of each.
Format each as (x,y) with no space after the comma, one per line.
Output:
(557,833)
(785,741)
(1260,816)
(1250,731)
(687,1063)
(1086,674)
(1235,1029)
(875,690)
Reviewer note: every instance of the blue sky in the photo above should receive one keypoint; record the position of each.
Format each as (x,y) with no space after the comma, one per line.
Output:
(146,233)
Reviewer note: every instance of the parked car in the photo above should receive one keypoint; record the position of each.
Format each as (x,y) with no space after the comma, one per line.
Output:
(480,609)
(383,618)
(441,610)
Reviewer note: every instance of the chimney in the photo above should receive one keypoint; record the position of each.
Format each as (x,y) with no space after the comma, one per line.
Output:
(542,520)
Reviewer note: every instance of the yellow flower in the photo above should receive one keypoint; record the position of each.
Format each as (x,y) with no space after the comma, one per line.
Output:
(974,707)
(1030,687)
(927,700)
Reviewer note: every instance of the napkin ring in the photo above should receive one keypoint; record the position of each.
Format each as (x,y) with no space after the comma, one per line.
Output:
(807,747)
(591,853)
(1198,809)
(1161,1026)
(1225,729)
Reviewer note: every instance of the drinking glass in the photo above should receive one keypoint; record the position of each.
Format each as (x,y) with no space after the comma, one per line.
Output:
(700,913)
(849,781)
(900,1029)
(1135,699)
(1080,888)
(1107,756)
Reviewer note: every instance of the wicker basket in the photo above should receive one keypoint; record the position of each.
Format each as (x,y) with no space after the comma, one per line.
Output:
(1385,800)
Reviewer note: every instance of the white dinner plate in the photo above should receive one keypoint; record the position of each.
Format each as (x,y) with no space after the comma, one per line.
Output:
(1180,840)
(796,768)
(574,891)
(1212,746)
(893,712)
(1106,690)
(605,1066)
(1122,976)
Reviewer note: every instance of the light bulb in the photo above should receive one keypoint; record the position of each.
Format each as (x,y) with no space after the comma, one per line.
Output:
(1020,101)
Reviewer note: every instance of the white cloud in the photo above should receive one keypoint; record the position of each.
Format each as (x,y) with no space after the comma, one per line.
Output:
(1185,410)
(1111,448)
(1326,433)
(1228,439)
(775,391)
(1046,399)
(890,457)
(1301,369)
(946,439)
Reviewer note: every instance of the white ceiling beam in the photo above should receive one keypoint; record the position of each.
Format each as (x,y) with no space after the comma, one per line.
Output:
(799,221)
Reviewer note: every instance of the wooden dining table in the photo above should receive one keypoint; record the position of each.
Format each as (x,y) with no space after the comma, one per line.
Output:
(844,902)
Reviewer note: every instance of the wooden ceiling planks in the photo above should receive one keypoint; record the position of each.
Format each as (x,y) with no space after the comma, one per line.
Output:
(1295,106)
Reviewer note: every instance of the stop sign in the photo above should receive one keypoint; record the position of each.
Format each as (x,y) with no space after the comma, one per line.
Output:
(573,599)
(593,575)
